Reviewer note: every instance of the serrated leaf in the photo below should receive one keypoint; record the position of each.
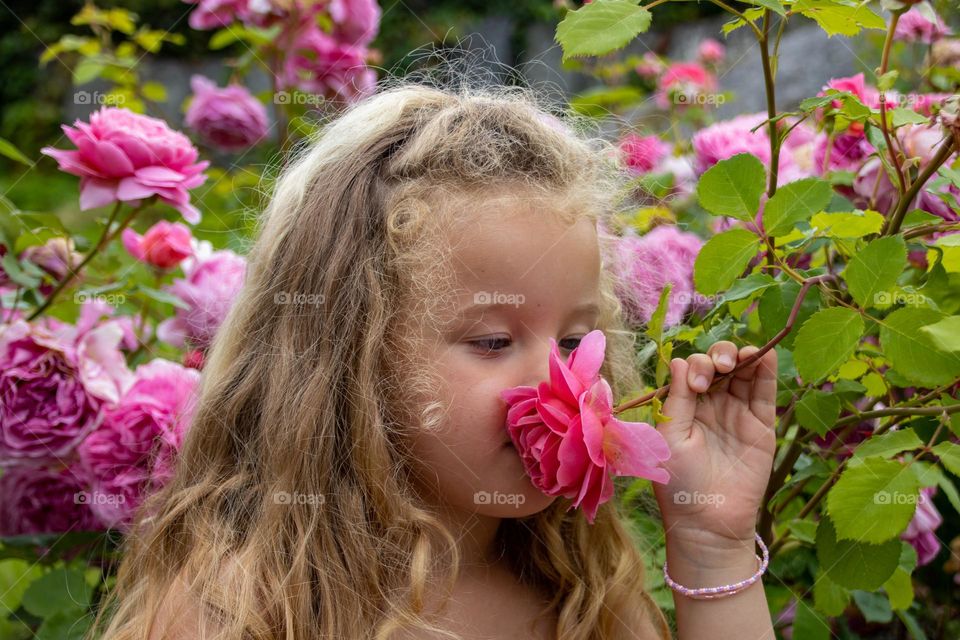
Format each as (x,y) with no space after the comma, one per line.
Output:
(945,334)
(873,501)
(887,444)
(732,187)
(852,564)
(949,454)
(58,591)
(875,268)
(795,202)
(818,410)
(601,27)
(722,259)
(839,19)
(852,224)
(913,352)
(825,341)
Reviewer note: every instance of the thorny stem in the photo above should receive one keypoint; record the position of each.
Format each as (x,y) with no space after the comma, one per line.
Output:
(894,222)
(884,64)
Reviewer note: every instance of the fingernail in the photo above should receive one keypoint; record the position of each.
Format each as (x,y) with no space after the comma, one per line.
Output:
(724,360)
(700,382)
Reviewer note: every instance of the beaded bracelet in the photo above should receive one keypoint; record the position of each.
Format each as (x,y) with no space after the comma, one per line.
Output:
(707,593)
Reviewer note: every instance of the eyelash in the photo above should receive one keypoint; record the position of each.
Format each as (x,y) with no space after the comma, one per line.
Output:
(487,341)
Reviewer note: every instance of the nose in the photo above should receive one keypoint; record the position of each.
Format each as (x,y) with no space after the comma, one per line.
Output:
(538,363)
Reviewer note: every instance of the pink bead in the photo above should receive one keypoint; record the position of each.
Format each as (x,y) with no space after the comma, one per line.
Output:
(722,590)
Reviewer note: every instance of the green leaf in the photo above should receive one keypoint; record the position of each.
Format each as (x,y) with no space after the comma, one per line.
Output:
(775,306)
(902,116)
(875,269)
(732,187)
(839,19)
(887,444)
(744,287)
(15,577)
(164,297)
(852,564)
(774,5)
(65,625)
(818,410)
(809,624)
(57,591)
(873,501)
(601,27)
(722,259)
(10,151)
(875,606)
(826,341)
(949,454)
(913,627)
(945,334)
(852,224)
(899,589)
(829,597)
(795,202)
(913,352)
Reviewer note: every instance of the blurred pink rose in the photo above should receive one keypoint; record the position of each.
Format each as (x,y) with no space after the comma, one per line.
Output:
(131,452)
(727,138)
(846,152)
(711,51)
(164,245)
(40,500)
(645,264)
(857,85)
(56,256)
(921,531)
(317,63)
(913,26)
(124,156)
(209,289)
(355,21)
(217,14)
(53,383)
(568,438)
(643,153)
(228,118)
(683,83)
(650,66)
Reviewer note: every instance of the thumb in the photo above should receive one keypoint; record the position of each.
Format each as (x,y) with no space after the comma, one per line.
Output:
(681,402)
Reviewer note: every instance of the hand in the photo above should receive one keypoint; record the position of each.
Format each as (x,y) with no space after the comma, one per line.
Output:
(722,445)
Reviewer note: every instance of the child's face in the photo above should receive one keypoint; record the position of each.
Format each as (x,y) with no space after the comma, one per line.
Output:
(523,277)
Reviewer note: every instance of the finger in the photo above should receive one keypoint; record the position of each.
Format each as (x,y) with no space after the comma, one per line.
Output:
(724,355)
(681,402)
(741,384)
(763,402)
(700,373)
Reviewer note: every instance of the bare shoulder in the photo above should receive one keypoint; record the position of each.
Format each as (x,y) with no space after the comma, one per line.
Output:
(181,616)
(644,622)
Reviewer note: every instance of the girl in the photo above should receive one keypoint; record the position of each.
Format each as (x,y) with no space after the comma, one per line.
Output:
(348,473)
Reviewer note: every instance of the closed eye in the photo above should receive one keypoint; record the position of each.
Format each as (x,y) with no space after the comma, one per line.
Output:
(494,345)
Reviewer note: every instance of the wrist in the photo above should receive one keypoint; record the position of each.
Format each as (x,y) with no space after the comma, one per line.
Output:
(699,559)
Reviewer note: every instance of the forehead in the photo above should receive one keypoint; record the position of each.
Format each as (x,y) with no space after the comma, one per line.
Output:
(532,247)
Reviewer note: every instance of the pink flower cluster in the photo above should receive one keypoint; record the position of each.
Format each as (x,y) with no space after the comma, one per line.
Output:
(645,264)
(228,118)
(913,26)
(80,434)
(125,156)
(329,64)
(212,281)
(569,439)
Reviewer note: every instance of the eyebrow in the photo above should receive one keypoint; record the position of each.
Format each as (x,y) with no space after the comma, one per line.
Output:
(481,308)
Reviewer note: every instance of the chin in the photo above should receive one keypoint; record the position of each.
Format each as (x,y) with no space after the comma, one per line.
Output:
(520,501)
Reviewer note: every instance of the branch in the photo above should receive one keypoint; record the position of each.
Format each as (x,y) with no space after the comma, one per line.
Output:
(894,222)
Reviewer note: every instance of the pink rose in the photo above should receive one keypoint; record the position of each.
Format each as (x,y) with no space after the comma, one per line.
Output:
(217,14)
(650,66)
(131,453)
(209,289)
(727,138)
(846,152)
(711,52)
(921,531)
(53,383)
(39,500)
(56,256)
(163,246)
(913,26)
(568,438)
(124,156)
(643,153)
(317,63)
(645,264)
(228,118)
(682,83)
(355,21)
